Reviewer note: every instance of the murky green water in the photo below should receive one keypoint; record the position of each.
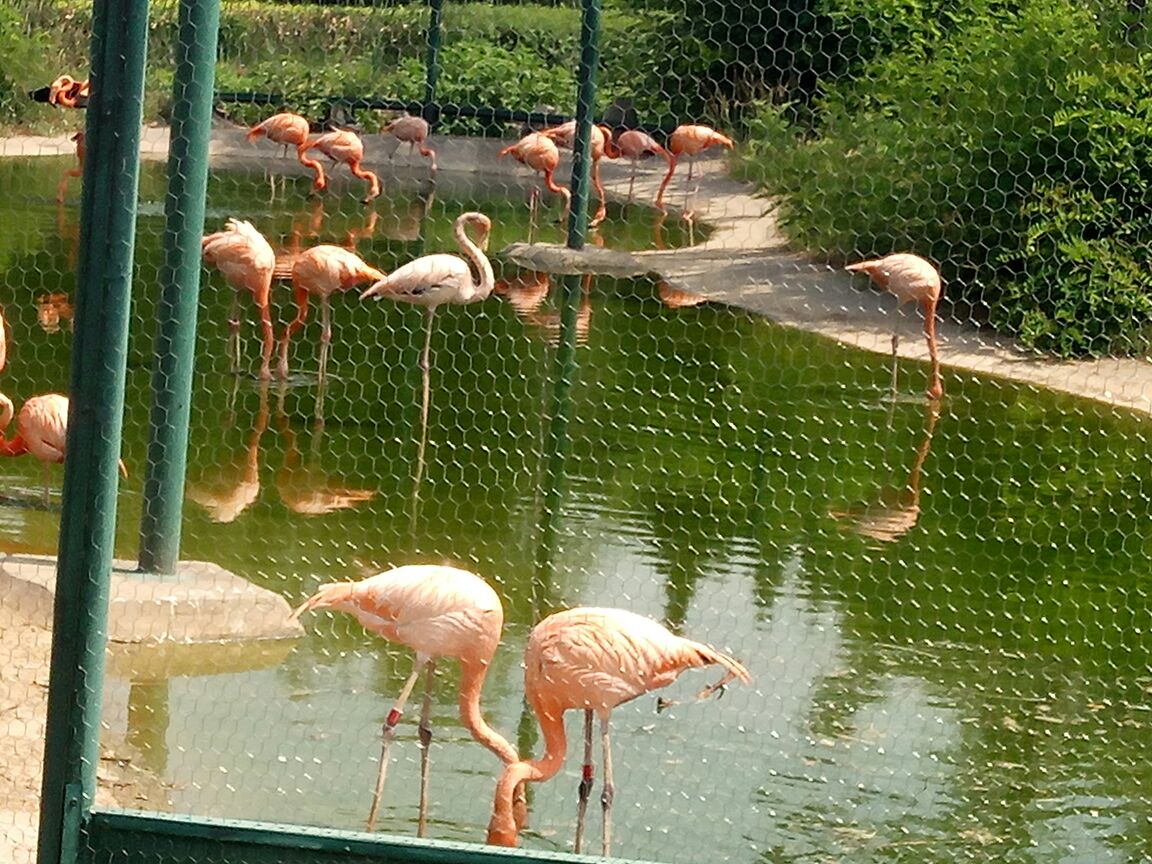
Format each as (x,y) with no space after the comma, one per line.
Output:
(954,672)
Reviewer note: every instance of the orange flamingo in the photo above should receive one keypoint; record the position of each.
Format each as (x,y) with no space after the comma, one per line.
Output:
(634,145)
(64,92)
(77,171)
(592,659)
(602,145)
(413,131)
(345,146)
(41,429)
(247,261)
(689,141)
(539,152)
(910,278)
(437,612)
(290,129)
(322,271)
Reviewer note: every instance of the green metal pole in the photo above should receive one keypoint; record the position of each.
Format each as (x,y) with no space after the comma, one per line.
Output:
(99,359)
(435,38)
(585,108)
(179,286)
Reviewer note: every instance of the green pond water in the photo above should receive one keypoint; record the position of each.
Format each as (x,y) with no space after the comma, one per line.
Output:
(946,613)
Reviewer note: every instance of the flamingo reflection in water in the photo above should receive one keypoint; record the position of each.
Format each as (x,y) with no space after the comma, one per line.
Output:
(235,485)
(526,293)
(77,171)
(896,509)
(304,487)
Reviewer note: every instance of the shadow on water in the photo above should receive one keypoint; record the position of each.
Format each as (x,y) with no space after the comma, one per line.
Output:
(944,608)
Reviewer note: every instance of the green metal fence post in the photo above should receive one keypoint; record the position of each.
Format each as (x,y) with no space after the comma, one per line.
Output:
(179,286)
(581,146)
(432,77)
(99,359)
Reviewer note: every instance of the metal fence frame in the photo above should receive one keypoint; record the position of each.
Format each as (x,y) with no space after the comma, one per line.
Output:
(71,828)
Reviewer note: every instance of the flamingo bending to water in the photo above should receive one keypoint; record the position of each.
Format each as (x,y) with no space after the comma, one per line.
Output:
(413,131)
(910,278)
(437,612)
(592,659)
(290,129)
(634,145)
(322,271)
(345,146)
(247,261)
(602,145)
(41,429)
(689,141)
(539,152)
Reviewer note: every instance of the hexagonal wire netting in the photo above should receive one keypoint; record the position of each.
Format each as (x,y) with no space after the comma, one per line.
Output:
(940,600)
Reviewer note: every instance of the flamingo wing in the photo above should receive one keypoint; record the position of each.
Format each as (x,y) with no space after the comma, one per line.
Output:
(430,280)
(43,424)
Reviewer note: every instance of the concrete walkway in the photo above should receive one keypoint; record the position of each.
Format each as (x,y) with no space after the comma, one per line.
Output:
(745,262)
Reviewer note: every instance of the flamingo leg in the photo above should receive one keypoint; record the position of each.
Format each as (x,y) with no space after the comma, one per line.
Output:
(584,790)
(533,201)
(609,790)
(425,404)
(301,296)
(389,735)
(632,179)
(602,212)
(262,301)
(936,387)
(425,732)
(234,333)
(325,337)
(895,368)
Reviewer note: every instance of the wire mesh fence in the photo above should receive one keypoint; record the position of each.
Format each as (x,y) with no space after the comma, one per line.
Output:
(921,567)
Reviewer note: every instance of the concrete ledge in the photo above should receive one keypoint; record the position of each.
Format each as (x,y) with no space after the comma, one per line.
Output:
(203,603)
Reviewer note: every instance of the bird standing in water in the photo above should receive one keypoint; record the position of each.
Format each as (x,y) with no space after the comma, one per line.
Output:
(247,261)
(592,659)
(322,271)
(602,145)
(290,130)
(689,141)
(345,146)
(539,152)
(634,145)
(437,612)
(911,279)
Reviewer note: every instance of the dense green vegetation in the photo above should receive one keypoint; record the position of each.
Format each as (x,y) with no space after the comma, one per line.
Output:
(1006,140)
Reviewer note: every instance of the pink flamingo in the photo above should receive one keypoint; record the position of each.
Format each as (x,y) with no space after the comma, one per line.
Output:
(602,145)
(322,271)
(41,429)
(247,261)
(594,659)
(635,145)
(290,129)
(437,612)
(434,280)
(539,152)
(689,141)
(413,131)
(345,146)
(910,278)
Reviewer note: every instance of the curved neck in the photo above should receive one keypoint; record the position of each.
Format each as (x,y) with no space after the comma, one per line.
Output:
(505,824)
(477,256)
(471,683)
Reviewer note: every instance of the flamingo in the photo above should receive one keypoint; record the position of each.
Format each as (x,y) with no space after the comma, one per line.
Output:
(602,145)
(538,152)
(77,171)
(594,659)
(322,271)
(345,146)
(437,612)
(64,92)
(290,129)
(433,280)
(635,145)
(247,261)
(3,340)
(413,131)
(689,141)
(910,278)
(237,485)
(41,429)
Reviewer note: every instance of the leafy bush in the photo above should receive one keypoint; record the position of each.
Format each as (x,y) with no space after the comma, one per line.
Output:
(22,67)
(968,151)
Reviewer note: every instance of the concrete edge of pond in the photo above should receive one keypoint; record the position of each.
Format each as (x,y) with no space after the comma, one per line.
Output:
(744,262)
